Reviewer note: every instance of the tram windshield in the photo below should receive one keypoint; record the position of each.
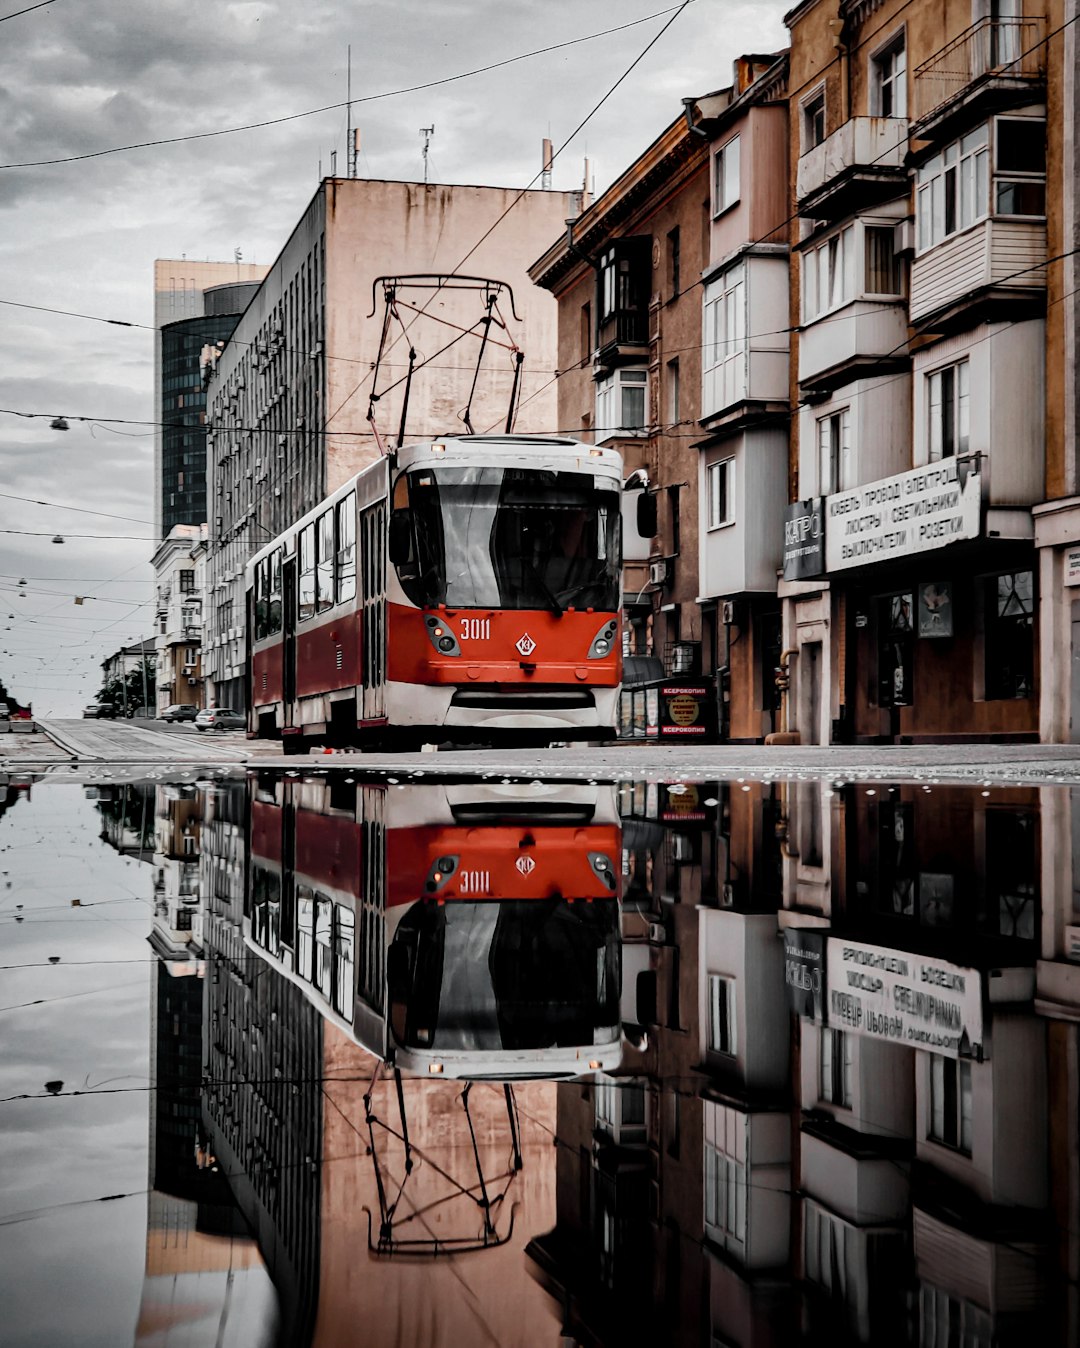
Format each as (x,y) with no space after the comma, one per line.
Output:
(510,538)
(509,975)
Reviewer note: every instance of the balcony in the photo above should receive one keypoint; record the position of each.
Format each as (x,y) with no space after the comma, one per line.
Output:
(996,63)
(996,262)
(858,166)
(833,349)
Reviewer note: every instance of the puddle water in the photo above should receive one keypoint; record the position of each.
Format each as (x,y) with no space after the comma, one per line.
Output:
(306,1059)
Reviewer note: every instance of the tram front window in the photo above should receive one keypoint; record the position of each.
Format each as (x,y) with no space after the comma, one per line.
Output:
(505,975)
(512,538)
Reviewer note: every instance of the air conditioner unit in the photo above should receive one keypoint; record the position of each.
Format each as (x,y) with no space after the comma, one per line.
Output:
(727,612)
(193,682)
(657,933)
(905,237)
(658,572)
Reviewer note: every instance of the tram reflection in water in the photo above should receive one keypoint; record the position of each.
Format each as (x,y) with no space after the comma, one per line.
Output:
(469,931)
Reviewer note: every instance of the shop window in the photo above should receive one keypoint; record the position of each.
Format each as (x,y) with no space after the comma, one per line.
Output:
(813,121)
(896,650)
(726,176)
(722,1027)
(1008,635)
(834,451)
(888,79)
(836,1067)
(950,1102)
(720,491)
(948,410)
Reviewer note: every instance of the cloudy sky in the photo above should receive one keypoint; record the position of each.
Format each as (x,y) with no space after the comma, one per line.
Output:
(82,77)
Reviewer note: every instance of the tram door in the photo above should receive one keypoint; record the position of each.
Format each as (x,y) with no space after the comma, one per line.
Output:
(288,614)
(373,611)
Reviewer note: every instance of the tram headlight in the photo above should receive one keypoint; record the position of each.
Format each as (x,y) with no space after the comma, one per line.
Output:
(604,640)
(441,636)
(446,644)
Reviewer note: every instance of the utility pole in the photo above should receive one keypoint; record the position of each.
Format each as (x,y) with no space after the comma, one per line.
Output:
(123,681)
(427,132)
(145,694)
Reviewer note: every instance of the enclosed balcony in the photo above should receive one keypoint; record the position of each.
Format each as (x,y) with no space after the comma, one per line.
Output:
(858,166)
(994,64)
(998,265)
(864,334)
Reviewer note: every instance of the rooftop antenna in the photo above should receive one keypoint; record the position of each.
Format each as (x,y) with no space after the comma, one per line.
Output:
(350,135)
(545,165)
(427,132)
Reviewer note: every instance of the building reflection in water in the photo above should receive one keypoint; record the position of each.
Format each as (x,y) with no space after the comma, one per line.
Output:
(807,1052)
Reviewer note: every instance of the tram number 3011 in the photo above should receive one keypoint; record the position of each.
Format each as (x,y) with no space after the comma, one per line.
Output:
(475,629)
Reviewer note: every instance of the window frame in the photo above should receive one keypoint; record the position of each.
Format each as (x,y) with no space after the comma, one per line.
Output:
(960,403)
(843,244)
(722,1032)
(808,110)
(723,175)
(837,1064)
(726,345)
(895,44)
(612,387)
(712,477)
(305,572)
(946,1103)
(345,556)
(839,450)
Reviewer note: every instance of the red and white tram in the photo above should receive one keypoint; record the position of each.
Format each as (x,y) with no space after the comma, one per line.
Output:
(465,931)
(464,588)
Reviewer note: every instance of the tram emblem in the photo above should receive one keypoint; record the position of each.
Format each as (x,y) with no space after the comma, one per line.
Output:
(525,865)
(525,644)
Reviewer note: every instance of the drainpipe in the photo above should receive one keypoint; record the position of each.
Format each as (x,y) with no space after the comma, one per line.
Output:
(785,735)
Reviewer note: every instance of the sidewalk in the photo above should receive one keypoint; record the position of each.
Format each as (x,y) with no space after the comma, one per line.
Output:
(19,749)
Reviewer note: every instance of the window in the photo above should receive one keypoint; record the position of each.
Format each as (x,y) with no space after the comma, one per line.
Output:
(836,1064)
(882,269)
(834,451)
(947,405)
(722,1029)
(187,581)
(273,617)
(674,258)
(828,1258)
(888,78)
(344,927)
(673,392)
(828,272)
(726,176)
(813,116)
(950,1102)
(620,1109)
(725,1194)
(306,577)
(719,489)
(345,557)
(953,188)
(324,584)
(586,334)
(725,352)
(621,402)
(1008,635)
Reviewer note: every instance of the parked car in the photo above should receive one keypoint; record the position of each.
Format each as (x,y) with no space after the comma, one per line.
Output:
(5,711)
(179,711)
(103,711)
(220,718)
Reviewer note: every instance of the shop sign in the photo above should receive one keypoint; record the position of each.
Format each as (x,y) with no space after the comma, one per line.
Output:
(904,998)
(1072,566)
(683,804)
(936,609)
(902,516)
(804,539)
(804,972)
(685,710)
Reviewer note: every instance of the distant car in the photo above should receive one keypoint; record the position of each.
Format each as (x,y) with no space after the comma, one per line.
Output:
(180,711)
(5,711)
(103,711)
(220,718)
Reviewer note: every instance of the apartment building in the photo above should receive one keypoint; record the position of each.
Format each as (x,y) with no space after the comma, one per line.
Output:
(289,395)
(180,572)
(919,154)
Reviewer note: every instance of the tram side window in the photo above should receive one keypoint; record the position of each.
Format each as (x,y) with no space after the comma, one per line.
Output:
(273,609)
(260,600)
(306,580)
(325,563)
(345,561)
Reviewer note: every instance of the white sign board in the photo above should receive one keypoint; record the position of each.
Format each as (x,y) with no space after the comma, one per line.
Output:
(900,516)
(904,998)
(1072,566)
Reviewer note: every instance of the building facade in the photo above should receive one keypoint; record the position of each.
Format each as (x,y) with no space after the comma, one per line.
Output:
(189,297)
(288,398)
(180,577)
(920,148)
